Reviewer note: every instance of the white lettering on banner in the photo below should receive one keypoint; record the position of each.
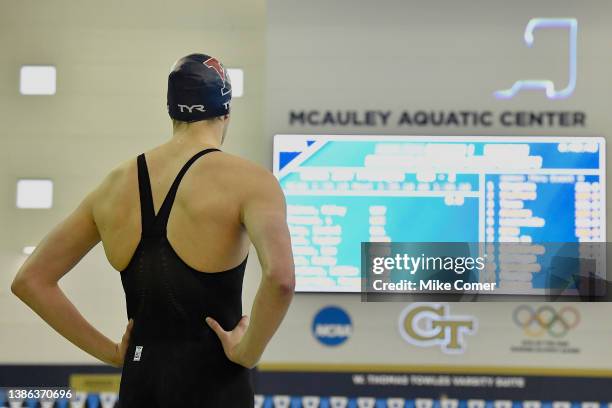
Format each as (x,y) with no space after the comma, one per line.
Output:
(510,382)
(473,381)
(388,379)
(259,401)
(358,379)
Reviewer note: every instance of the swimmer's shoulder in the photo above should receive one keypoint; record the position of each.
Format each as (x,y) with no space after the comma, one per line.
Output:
(243,177)
(240,171)
(118,182)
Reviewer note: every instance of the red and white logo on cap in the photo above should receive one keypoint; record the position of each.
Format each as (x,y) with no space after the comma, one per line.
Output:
(216,65)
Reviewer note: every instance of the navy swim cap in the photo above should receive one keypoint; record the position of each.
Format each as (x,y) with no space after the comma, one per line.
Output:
(198,88)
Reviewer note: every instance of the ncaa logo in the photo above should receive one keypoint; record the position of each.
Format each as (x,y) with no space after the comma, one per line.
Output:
(430,324)
(332,326)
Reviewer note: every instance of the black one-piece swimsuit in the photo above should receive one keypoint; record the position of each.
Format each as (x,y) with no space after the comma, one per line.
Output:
(174,359)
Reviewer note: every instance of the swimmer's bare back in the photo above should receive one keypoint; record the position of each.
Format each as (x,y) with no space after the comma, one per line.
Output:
(206,225)
(220,205)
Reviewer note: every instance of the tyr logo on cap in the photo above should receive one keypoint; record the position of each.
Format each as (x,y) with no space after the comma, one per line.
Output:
(216,65)
(191,108)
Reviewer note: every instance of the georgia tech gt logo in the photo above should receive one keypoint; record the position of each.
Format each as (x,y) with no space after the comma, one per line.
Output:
(430,324)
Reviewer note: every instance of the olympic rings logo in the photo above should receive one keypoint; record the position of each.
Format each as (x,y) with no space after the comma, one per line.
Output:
(545,319)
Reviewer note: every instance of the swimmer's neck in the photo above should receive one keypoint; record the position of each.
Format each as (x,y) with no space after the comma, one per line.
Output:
(209,133)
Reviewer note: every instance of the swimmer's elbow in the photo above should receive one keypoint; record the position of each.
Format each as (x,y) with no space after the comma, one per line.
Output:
(287,287)
(24,287)
(20,287)
(283,280)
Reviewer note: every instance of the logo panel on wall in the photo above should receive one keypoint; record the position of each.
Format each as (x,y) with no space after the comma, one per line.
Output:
(546,85)
(332,326)
(546,328)
(431,324)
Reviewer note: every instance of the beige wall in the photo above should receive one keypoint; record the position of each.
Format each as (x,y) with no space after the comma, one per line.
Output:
(112,62)
(439,55)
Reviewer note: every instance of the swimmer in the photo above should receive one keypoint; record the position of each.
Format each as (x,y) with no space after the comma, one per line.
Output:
(177,223)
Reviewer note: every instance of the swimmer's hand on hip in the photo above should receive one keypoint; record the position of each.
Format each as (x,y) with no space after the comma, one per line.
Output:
(121,347)
(232,343)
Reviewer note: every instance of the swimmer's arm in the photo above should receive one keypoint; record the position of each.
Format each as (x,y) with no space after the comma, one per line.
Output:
(36,283)
(264,216)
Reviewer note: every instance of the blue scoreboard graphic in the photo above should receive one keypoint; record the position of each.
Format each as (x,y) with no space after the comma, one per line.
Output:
(344,190)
